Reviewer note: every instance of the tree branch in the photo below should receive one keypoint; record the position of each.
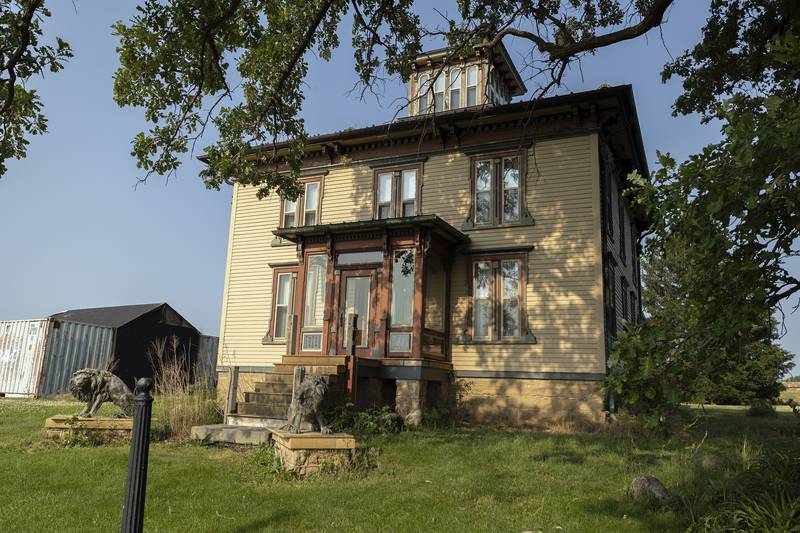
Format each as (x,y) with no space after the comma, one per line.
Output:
(652,18)
(20,50)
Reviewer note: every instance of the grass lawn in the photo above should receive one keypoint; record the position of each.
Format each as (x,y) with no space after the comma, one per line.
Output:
(450,480)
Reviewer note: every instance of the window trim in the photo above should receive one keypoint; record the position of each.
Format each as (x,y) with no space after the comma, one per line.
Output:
(300,214)
(396,202)
(497,190)
(292,271)
(495,299)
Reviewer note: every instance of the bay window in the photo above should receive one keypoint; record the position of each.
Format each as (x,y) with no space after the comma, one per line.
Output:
(402,304)
(314,303)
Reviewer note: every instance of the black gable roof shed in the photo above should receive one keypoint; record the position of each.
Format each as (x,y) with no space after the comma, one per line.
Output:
(136,329)
(118,315)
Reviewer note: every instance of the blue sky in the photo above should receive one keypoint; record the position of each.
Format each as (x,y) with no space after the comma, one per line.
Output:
(76,233)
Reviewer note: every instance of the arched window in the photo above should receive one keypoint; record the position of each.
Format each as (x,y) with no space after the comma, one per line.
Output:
(472,85)
(455,88)
(422,94)
(438,93)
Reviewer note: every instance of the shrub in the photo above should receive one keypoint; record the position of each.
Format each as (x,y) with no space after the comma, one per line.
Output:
(373,421)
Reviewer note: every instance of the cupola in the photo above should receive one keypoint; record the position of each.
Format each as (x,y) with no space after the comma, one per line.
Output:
(443,81)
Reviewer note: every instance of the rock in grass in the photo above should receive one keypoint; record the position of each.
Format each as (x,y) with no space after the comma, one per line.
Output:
(648,488)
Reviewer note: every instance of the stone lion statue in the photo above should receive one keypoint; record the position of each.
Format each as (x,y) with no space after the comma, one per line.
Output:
(306,404)
(95,387)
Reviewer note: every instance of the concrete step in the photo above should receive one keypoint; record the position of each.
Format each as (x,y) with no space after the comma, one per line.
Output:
(230,434)
(269,397)
(268,410)
(313,360)
(255,421)
(325,370)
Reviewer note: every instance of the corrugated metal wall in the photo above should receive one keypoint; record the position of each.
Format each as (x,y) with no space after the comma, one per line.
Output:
(207,359)
(70,347)
(22,349)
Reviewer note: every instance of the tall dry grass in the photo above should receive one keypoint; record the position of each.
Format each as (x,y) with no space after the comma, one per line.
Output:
(184,397)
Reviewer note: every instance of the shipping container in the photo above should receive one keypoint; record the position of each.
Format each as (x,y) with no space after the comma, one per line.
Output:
(72,346)
(22,353)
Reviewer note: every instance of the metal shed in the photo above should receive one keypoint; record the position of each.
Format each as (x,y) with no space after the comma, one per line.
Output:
(37,357)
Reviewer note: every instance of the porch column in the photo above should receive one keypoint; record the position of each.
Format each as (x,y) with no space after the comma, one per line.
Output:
(419,296)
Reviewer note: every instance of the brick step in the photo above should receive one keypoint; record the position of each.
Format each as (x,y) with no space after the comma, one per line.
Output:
(263,409)
(284,397)
(281,368)
(312,360)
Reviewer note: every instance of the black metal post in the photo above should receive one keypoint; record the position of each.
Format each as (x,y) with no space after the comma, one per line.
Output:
(135,487)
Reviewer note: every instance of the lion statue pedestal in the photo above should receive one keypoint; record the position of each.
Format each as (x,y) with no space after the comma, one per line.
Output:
(95,387)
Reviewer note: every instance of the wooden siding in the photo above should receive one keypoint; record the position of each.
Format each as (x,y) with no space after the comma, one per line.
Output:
(564,285)
(624,270)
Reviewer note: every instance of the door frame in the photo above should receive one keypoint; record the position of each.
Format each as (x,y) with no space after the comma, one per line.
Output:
(373,323)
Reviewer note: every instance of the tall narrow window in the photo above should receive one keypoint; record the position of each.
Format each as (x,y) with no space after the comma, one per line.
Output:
(510,305)
(482,304)
(623,312)
(483,191)
(289,213)
(623,247)
(422,94)
(314,302)
(472,85)
(455,88)
(402,306)
(499,190)
(408,193)
(632,299)
(402,288)
(384,206)
(498,298)
(438,93)
(510,189)
(311,203)
(282,300)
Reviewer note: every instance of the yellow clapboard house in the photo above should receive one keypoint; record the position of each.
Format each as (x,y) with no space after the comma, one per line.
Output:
(477,248)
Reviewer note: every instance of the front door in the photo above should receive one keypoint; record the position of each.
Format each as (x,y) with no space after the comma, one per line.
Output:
(357,297)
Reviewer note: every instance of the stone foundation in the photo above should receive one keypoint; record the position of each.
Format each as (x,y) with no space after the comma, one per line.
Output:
(530,401)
